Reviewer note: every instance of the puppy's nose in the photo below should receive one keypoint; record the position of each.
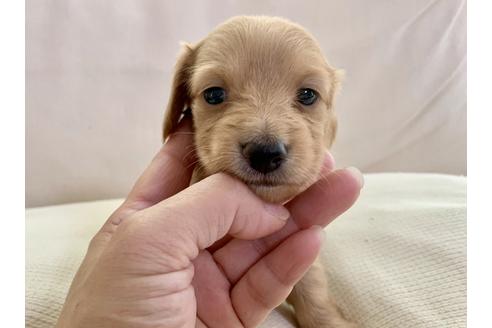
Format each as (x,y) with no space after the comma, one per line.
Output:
(265,157)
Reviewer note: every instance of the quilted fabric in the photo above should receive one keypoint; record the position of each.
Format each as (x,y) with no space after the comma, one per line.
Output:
(396,259)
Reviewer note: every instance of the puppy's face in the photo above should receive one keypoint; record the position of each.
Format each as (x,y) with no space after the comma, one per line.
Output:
(261,94)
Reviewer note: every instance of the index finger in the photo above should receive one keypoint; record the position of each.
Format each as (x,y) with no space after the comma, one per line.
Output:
(169,172)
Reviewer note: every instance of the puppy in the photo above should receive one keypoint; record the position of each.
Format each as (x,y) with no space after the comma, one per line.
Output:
(261,97)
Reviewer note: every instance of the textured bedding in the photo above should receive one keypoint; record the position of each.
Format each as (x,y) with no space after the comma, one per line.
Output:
(396,259)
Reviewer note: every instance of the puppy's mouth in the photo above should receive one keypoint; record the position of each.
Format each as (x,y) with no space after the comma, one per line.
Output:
(270,187)
(276,191)
(268,184)
(263,183)
(256,179)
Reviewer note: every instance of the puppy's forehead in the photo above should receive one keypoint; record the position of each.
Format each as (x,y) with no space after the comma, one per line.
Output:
(263,50)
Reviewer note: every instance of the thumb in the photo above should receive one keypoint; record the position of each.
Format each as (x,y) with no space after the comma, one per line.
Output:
(195,218)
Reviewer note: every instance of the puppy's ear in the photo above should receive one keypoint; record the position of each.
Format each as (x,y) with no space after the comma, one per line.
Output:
(179,97)
(332,123)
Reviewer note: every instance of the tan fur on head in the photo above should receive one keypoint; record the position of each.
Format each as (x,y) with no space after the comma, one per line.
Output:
(261,63)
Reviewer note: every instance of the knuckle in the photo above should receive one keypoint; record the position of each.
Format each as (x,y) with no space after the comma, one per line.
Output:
(167,246)
(257,295)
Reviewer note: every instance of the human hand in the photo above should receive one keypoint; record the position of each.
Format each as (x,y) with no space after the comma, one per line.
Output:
(211,255)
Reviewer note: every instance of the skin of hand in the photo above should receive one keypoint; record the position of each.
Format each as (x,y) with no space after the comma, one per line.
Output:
(209,255)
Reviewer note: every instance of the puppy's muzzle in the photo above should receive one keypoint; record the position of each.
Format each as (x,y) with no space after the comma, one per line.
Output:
(265,157)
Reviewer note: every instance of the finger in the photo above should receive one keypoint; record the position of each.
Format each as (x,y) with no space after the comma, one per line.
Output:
(205,212)
(169,172)
(269,282)
(212,291)
(328,164)
(327,199)
(199,323)
(319,205)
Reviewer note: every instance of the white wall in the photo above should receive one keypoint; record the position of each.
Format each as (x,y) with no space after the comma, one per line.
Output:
(98,76)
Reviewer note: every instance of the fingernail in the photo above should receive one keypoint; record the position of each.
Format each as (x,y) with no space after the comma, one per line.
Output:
(329,158)
(277,211)
(357,175)
(321,233)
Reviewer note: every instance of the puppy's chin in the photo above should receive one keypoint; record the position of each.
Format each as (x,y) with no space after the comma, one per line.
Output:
(269,190)
(276,194)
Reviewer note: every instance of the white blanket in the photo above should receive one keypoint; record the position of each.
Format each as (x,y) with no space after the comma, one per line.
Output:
(396,259)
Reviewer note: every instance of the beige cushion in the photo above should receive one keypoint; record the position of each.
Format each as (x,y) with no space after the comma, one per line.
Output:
(98,75)
(396,259)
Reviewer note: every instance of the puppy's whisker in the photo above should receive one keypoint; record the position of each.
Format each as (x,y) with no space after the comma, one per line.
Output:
(183,133)
(190,155)
(193,164)
(190,151)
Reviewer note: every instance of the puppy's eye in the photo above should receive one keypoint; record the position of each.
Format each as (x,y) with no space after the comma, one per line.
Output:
(214,95)
(307,96)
